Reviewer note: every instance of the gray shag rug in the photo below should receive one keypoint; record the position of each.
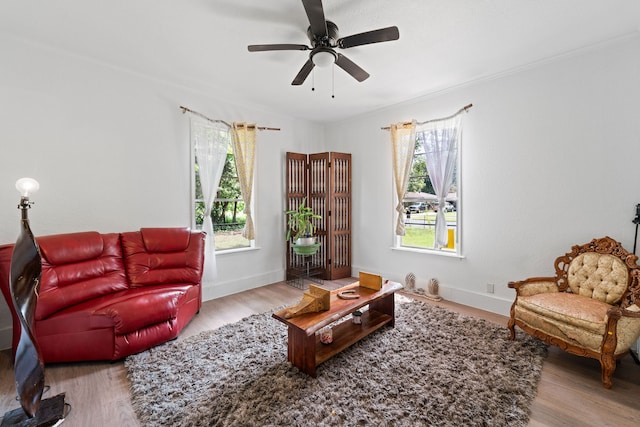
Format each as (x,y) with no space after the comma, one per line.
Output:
(435,368)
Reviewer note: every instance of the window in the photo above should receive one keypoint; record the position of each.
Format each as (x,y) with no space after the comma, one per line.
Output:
(421,204)
(227,212)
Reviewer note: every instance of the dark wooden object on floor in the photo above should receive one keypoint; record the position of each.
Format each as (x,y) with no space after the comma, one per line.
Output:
(305,350)
(50,412)
(324,179)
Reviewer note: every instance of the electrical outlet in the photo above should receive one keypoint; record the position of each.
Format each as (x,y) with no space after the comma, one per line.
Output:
(490,287)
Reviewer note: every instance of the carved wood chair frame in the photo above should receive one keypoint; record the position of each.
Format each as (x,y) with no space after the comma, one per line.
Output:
(631,296)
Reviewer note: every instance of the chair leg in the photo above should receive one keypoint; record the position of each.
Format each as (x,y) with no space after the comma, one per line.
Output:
(512,321)
(608,364)
(512,328)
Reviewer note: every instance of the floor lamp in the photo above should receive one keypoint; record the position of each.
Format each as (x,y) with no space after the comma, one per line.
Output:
(636,221)
(26,269)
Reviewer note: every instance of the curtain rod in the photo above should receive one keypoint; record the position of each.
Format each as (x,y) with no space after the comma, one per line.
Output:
(465,108)
(185,109)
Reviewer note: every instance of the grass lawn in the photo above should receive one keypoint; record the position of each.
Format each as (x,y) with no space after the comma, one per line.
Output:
(231,239)
(418,237)
(423,236)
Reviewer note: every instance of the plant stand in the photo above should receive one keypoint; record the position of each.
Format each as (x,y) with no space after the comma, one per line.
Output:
(308,271)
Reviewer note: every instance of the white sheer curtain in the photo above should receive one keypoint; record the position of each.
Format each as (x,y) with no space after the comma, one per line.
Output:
(403,143)
(440,139)
(244,151)
(210,142)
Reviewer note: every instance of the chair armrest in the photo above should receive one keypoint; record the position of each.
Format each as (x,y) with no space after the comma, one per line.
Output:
(625,312)
(534,286)
(617,312)
(622,329)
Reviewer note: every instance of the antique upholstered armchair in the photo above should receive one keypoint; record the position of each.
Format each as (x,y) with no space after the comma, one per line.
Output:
(590,308)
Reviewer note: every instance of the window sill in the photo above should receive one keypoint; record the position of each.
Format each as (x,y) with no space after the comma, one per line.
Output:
(428,252)
(237,250)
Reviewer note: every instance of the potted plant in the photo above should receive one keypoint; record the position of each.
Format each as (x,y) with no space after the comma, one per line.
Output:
(300,229)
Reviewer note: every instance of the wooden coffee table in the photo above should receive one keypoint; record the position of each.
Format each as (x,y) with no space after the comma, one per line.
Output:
(305,350)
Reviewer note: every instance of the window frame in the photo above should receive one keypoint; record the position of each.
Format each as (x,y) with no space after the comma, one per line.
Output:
(194,200)
(457,250)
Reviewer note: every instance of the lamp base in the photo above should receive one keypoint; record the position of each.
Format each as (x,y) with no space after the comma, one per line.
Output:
(50,413)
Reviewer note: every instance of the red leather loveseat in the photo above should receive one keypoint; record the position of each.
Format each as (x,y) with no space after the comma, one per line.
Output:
(106,296)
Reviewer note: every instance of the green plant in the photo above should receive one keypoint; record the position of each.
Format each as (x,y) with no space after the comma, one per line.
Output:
(299,223)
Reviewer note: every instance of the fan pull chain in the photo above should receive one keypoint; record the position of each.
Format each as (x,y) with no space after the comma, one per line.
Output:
(313,79)
(333,80)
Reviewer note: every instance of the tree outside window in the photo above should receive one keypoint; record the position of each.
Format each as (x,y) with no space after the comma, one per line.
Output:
(227,212)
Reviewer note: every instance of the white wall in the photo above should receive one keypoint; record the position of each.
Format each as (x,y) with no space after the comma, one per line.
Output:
(550,158)
(111,152)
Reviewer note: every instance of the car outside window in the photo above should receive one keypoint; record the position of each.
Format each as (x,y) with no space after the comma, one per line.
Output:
(421,205)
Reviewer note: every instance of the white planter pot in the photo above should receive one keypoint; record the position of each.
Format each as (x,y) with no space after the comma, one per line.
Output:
(304,241)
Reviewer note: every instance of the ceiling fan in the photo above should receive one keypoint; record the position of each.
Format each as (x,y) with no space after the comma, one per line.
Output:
(324,39)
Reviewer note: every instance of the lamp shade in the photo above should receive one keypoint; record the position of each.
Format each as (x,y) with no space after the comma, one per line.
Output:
(27,186)
(323,58)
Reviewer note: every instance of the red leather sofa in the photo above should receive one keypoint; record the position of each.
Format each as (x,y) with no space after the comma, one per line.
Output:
(106,296)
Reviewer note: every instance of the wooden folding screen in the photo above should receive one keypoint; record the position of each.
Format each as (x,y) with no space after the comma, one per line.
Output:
(325,180)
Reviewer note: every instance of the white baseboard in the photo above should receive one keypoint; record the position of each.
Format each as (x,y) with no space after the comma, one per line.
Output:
(483,301)
(220,289)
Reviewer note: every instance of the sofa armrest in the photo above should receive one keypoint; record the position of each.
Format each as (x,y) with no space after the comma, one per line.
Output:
(534,286)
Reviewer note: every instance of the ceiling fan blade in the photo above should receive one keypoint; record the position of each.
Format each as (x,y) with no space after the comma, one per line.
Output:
(375,36)
(268,47)
(303,73)
(315,13)
(350,67)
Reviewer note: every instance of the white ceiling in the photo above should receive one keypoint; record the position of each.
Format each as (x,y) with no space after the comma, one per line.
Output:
(202,44)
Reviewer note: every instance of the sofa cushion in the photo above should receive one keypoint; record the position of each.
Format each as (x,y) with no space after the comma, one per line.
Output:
(113,326)
(77,267)
(155,305)
(560,329)
(600,276)
(163,240)
(172,262)
(70,248)
(576,310)
(122,312)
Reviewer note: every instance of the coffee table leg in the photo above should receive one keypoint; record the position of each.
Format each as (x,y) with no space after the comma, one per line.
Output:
(301,351)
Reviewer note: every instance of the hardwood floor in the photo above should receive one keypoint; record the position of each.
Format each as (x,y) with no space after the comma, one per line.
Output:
(569,393)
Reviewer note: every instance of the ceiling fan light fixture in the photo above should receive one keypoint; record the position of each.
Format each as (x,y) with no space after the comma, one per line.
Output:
(324,58)
(324,37)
